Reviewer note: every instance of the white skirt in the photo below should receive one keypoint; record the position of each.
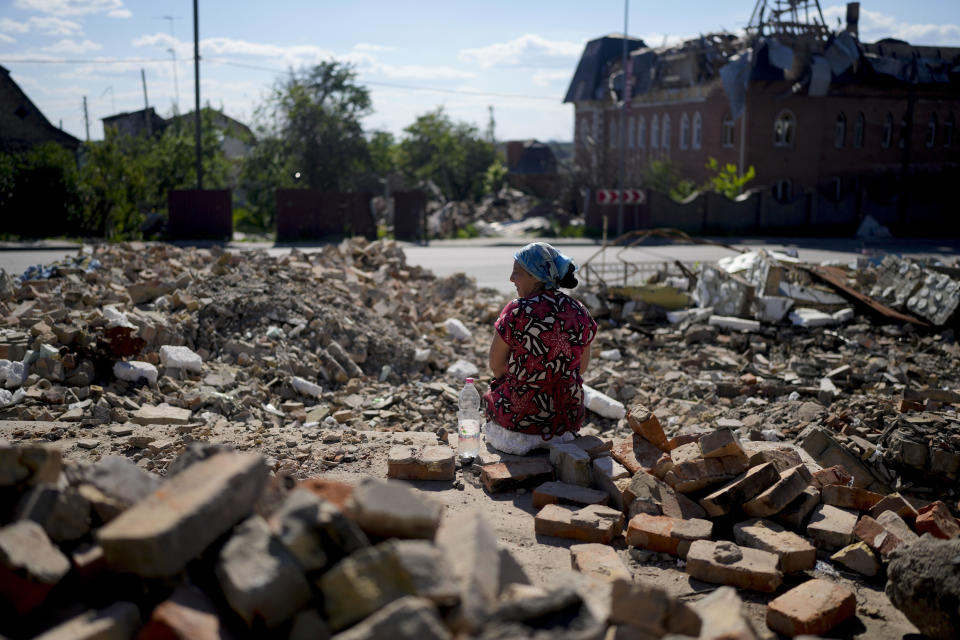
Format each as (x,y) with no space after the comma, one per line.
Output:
(516,443)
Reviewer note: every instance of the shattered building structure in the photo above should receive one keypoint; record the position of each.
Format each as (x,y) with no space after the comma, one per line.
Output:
(856,128)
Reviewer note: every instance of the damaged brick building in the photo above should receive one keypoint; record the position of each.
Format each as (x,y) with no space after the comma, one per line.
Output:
(836,128)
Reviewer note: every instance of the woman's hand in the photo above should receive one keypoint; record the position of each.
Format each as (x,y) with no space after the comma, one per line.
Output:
(499,354)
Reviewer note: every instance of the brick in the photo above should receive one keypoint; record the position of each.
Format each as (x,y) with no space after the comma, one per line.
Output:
(410,616)
(611,477)
(812,608)
(669,502)
(702,473)
(724,617)
(636,454)
(119,620)
(825,449)
(796,554)
(782,459)
(160,414)
(159,535)
(831,528)
(188,614)
(896,525)
(645,424)
(935,519)
(665,534)
(590,524)
(429,463)
(514,474)
(689,452)
(562,493)
(858,557)
(794,515)
(740,490)
(895,503)
(876,536)
(364,583)
(791,484)
(29,464)
(393,510)
(63,513)
(571,464)
(740,567)
(721,442)
(30,565)
(840,495)
(652,611)
(944,462)
(598,560)
(330,490)
(594,445)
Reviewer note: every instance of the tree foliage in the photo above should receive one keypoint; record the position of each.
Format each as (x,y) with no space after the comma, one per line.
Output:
(40,181)
(663,176)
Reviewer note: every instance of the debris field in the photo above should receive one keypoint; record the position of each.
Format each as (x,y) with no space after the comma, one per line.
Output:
(196,443)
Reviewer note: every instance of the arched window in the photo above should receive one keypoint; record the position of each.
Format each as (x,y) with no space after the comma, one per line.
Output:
(887,137)
(784,129)
(631,133)
(684,131)
(665,138)
(840,131)
(932,130)
(612,142)
(655,133)
(948,131)
(858,131)
(642,132)
(727,132)
(697,131)
(782,190)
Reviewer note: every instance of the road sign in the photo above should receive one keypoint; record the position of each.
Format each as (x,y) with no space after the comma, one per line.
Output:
(612,196)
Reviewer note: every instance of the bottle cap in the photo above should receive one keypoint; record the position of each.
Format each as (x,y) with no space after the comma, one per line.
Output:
(469,380)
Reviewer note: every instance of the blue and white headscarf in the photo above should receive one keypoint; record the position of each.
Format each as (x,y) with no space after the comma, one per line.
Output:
(544,263)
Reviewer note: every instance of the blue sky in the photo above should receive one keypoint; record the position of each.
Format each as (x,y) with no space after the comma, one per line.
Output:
(464,55)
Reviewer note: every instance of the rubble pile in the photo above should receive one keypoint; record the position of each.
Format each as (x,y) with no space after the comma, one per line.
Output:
(172,422)
(508,213)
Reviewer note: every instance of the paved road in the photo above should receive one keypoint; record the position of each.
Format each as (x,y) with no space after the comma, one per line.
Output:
(490,260)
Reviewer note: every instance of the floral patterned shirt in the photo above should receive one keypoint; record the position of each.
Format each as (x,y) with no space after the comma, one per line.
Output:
(542,391)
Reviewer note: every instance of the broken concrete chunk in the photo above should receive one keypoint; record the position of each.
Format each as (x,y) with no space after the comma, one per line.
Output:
(470,547)
(133,371)
(160,414)
(652,611)
(427,463)
(858,557)
(413,617)
(571,463)
(28,464)
(30,565)
(920,579)
(177,357)
(598,560)
(393,510)
(119,620)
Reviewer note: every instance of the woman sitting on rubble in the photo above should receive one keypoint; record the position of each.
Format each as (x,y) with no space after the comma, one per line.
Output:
(540,348)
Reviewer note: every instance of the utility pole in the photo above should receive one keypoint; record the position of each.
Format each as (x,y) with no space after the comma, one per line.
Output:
(196,92)
(622,128)
(86,118)
(146,103)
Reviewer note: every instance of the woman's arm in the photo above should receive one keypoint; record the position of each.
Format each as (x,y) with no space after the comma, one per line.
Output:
(499,353)
(584,359)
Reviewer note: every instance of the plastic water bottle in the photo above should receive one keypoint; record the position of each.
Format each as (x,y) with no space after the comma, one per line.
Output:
(469,421)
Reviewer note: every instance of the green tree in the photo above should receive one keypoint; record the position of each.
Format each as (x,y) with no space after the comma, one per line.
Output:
(452,155)
(727,179)
(40,180)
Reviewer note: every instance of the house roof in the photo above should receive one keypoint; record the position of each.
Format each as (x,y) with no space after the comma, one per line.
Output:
(24,125)
(590,79)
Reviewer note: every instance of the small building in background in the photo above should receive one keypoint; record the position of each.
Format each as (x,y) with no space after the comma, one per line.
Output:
(135,123)
(22,125)
(531,166)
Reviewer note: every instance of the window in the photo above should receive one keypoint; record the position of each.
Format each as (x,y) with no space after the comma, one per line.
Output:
(840,131)
(887,131)
(727,132)
(697,130)
(858,131)
(631,133)
(784,129)
(584,131)
(932,130)
(665,138)
(612,142)
(781,190)
(948,131)
(642,132)
(904,130)
(684,131)
(837,187)
(655,133)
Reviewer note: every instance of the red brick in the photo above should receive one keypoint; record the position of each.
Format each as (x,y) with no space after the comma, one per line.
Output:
(831,527)
(791,484)
(513,474)
(794,515)
(599,560)
(589,524)
(188,614)
(650,612)
(721,442)
(670,503)
(594,445)
(727,563)
(831,475)
(429,463)
(795,553)
(733,494)
(330,490)
(840,495)
(701,473)
(876,536)
(563,493)
(782,459)
(897,526)
(644,423)
(935,519)
(813,608)
(858,557)
(895,503)
(665,534)
(636,454)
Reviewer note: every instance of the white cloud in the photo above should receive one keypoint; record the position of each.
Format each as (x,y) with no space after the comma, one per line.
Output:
(6,39)
(364,46)
(529,50)
(69,7)
(47,25)
(120,13)
(875,26)
(12,26)
(420,72)
(71,47)
(551,77)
